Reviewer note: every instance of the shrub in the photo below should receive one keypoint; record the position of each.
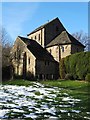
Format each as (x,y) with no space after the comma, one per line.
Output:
(87,77)
(78,65)
(69,76)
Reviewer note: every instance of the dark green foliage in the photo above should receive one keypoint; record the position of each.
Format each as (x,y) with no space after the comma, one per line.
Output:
(62,69)
(66,62)
(78,65)
(87,77)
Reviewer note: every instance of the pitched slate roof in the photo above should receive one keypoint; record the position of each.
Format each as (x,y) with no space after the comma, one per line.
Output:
(42,26)
(64,38)
(37,50)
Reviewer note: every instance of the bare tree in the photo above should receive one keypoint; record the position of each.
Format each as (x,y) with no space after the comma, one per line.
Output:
(0,57)
(6,47)
(82,37)
(17,54)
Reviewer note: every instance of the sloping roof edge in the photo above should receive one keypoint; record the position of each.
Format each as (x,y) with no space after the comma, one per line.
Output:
(42,26)
(70,40)
(37,50)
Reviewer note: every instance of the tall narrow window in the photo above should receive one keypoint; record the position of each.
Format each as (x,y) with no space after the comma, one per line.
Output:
(29,61)
(56,49)
(39,37)
(35,37)
(62,49)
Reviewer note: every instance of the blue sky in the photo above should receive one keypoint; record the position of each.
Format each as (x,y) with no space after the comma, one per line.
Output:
(20,18)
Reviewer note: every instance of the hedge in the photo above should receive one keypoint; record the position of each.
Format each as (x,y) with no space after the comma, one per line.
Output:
(87,78)
(78,65)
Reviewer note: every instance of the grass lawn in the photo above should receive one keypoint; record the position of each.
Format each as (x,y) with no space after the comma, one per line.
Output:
(18,82)
(76,89)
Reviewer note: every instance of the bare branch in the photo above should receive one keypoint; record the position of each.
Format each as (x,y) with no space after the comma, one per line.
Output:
(82,37)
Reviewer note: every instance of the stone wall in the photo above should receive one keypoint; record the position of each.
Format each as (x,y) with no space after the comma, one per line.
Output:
(59,52)
(46,69)
(38,36)
(18,64)
(54,51)
(65,50)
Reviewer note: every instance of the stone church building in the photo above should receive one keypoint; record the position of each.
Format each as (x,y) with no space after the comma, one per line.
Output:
(38,55)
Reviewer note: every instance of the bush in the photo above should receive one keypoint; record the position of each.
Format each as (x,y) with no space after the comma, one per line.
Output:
(78,65)
(68,76)
(87,77)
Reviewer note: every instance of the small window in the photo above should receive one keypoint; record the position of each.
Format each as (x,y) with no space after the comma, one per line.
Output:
(62,49)
(56,49)
(29,61)
(39,37)
(35,37)
(32,38)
